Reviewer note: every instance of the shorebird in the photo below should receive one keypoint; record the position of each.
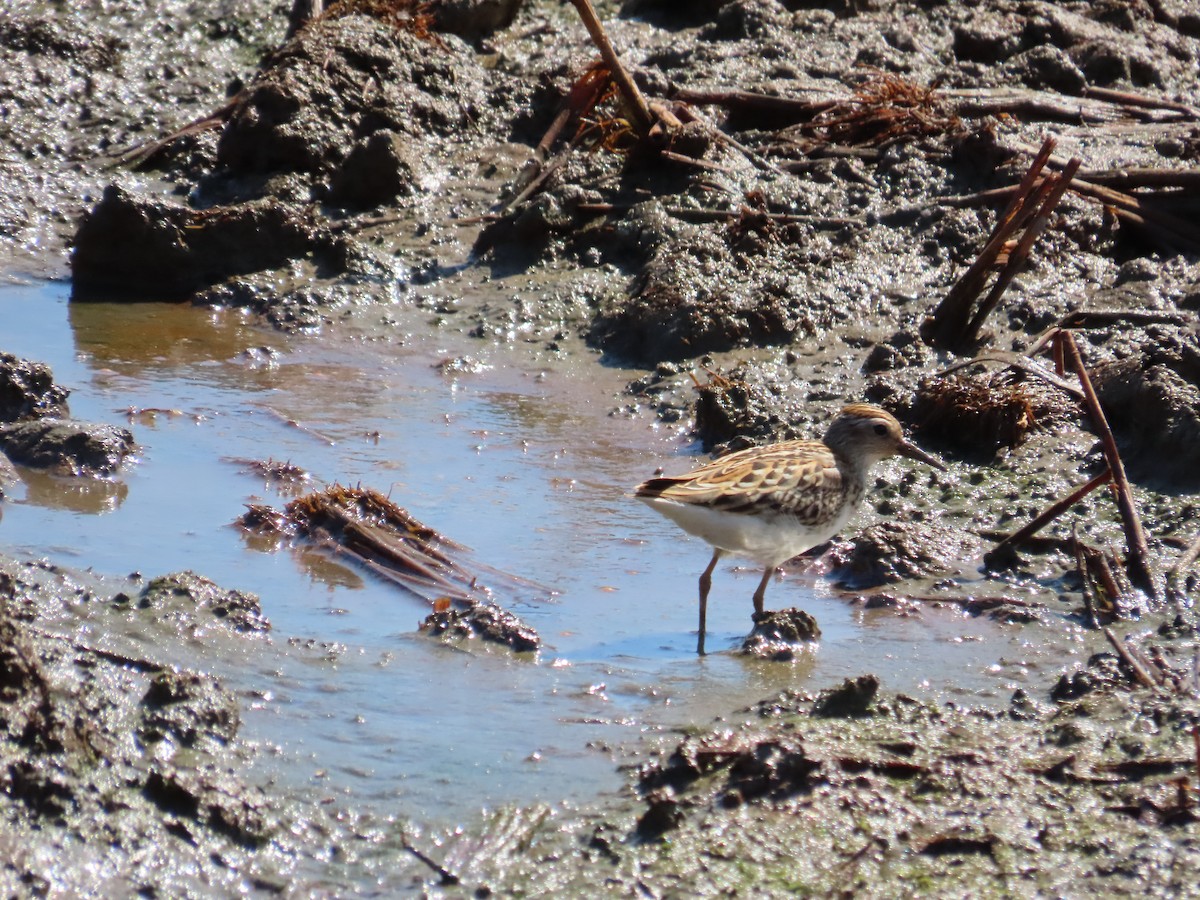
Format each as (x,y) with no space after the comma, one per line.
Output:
(775,502)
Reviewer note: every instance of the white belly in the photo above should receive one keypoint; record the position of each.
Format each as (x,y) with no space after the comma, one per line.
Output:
(768,538)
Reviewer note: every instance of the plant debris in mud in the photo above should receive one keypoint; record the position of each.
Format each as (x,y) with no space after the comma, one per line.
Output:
(984,414)
(884,109)
(389,541)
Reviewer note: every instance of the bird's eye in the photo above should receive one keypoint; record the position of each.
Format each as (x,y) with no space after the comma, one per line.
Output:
(881,429)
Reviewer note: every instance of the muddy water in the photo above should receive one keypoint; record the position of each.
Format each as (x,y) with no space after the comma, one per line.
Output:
(520,461)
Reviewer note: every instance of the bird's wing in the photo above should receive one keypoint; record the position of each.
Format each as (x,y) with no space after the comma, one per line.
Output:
(797,477)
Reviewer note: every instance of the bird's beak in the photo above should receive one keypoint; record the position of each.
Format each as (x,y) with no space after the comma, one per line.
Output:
(912,451)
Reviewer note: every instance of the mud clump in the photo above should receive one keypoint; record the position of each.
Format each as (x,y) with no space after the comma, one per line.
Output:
(28,391)
(781,634)
(192,605)
(130,247)
(485,621)
(692,298)
(294,137)
(1152,399)
(24,688)
(891,552)
(298,117)
(735,410)
(853,697)
(35,432)
(379,169)
(67,447)
(188,709)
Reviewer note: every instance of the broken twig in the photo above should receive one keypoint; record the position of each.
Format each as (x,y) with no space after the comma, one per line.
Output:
(1123,651)
(1135,538)
(1050,193)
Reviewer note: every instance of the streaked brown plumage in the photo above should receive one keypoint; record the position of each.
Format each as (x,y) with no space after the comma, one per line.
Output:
(772,503)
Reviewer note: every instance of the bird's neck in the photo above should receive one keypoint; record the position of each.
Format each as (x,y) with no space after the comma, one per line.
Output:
(854,469)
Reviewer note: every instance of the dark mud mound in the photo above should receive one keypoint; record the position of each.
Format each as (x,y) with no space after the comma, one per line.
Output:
(66,447)
(35,432)
(341,80)
(891,552)
(342,114)
(28,391)
(484,621)
(781,635)
(191,604)
(1152,398)
(131,247)
(694,297)
(981,415)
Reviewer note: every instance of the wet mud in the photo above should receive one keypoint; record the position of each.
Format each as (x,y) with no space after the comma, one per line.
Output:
(36,431)
(828,176)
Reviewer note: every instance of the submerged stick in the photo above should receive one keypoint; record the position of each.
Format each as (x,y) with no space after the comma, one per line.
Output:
(1142,177)
(1081,565)
(1135,538)
(780,108)
(1196,741)
(689,214)
(1128,98)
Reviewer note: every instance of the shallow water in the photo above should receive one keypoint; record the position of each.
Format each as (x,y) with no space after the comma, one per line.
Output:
(522,463)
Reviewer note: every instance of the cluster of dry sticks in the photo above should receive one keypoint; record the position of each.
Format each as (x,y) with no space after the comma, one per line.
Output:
(956,324)
(953,325)
(1102,588)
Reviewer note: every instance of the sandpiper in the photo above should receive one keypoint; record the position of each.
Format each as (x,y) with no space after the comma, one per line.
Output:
(775,502)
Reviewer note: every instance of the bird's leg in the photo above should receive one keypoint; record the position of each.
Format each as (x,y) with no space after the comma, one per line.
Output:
(705,584)
(761,592)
